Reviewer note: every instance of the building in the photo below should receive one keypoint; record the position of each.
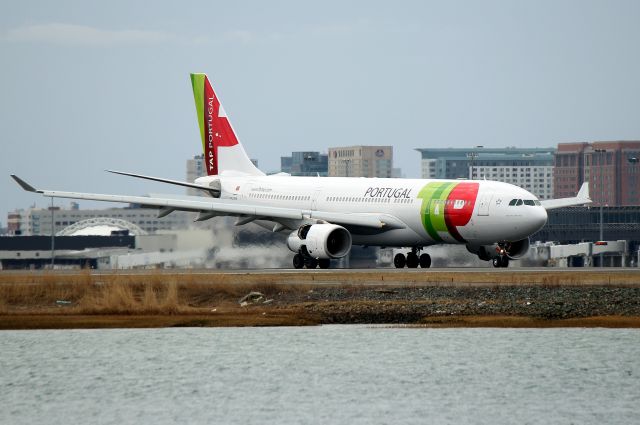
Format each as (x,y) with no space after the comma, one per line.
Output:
(305,164)
(588,224)
(195,169)
(361,161)
(530,168)
(611,168)
(37,221)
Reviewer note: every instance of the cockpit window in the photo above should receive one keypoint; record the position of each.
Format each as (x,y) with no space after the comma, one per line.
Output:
(513,202)
(529,202)
(519,202)
(537,202)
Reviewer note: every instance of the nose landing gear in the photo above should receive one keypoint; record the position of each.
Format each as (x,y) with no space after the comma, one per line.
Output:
(411,260)
(500,261)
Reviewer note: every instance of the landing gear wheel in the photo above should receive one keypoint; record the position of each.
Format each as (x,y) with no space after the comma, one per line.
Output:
(311,263)
(425,261)
(298,261)
(412,260)
(504,261)
(399,261)
(324,263)
(497,262)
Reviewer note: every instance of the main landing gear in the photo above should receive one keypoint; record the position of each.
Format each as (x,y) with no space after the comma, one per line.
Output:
(412,260)
(300,261)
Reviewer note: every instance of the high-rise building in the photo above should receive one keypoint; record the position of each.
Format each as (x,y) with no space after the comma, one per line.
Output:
(531,169)
(361,161)
(304,164)
(611,168)
(195,169)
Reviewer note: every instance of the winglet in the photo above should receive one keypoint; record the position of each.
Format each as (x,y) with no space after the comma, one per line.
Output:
(23,184)
(583,193)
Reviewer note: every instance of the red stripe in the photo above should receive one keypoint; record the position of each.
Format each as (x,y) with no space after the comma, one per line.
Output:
(454,217)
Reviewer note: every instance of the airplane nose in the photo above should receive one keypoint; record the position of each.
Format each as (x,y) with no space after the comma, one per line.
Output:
(539,217)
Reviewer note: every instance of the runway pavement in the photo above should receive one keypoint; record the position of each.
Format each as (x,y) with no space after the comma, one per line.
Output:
(384,276)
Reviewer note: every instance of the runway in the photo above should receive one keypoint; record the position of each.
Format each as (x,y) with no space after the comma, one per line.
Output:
(384,276)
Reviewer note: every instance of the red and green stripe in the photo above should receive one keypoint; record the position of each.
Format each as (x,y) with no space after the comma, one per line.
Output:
(445,206)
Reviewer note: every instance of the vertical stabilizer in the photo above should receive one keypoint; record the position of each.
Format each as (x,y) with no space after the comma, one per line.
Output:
(222,149)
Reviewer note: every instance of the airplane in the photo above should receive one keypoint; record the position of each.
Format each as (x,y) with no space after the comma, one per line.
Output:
(325,216)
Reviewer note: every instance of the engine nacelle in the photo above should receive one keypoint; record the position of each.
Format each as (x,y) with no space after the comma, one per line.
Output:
(320,241)
(517,249)
(513,250)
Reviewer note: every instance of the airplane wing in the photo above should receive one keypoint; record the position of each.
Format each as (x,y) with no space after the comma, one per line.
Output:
(581,198)
(210,207)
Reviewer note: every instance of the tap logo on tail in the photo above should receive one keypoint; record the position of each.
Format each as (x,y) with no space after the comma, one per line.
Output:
(447,206)
(215,129)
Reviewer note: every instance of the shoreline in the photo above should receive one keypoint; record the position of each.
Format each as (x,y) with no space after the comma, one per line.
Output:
(58,321)
(521,299)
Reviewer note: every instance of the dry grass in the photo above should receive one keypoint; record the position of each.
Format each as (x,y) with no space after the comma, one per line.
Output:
(30,300)
(85,293)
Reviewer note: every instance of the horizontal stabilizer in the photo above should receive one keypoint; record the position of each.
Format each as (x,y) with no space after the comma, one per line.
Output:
(162,180)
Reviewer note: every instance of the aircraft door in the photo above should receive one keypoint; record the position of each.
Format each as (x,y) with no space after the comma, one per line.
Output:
(483,205)
(314,199)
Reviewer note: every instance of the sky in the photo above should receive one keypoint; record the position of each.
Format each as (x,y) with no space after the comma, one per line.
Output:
(88,86)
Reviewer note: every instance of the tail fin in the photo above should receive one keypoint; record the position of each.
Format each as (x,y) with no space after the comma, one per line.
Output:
(222,150)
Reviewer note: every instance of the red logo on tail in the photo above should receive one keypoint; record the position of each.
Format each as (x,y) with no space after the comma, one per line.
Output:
(218,131)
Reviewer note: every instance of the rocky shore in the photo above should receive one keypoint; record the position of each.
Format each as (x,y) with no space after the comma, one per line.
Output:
(438,304)
(86,300)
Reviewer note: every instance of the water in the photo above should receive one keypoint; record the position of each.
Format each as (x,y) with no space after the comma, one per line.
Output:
(334,374)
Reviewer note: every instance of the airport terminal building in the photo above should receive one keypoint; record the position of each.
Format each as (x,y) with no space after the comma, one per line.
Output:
(38,221)
(531,169)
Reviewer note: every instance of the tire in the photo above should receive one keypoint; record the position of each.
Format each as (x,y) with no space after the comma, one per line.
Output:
(505,261)
(324,263)
(311,263)
(412,260)
(497,262)
(425,261)
(399,261)
(298,261)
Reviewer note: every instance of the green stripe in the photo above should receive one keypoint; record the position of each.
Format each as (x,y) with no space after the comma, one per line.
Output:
(426,194)
(438,203)
(197,82)
(433,197)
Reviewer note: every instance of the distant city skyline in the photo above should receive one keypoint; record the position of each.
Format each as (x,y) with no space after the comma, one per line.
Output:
(88,86)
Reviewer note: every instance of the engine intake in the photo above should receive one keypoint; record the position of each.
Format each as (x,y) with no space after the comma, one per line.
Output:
(321,241)
(517,249)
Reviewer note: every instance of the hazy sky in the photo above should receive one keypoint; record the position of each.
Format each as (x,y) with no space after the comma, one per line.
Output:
(92,85)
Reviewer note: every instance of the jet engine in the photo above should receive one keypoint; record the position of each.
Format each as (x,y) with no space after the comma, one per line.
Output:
(320,241)
(516,249)
(513,250)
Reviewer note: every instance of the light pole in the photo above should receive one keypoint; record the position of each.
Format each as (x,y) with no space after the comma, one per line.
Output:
(53,239)
(472,156)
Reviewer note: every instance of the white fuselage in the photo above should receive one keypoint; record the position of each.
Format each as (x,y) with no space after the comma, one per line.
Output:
(432,211)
